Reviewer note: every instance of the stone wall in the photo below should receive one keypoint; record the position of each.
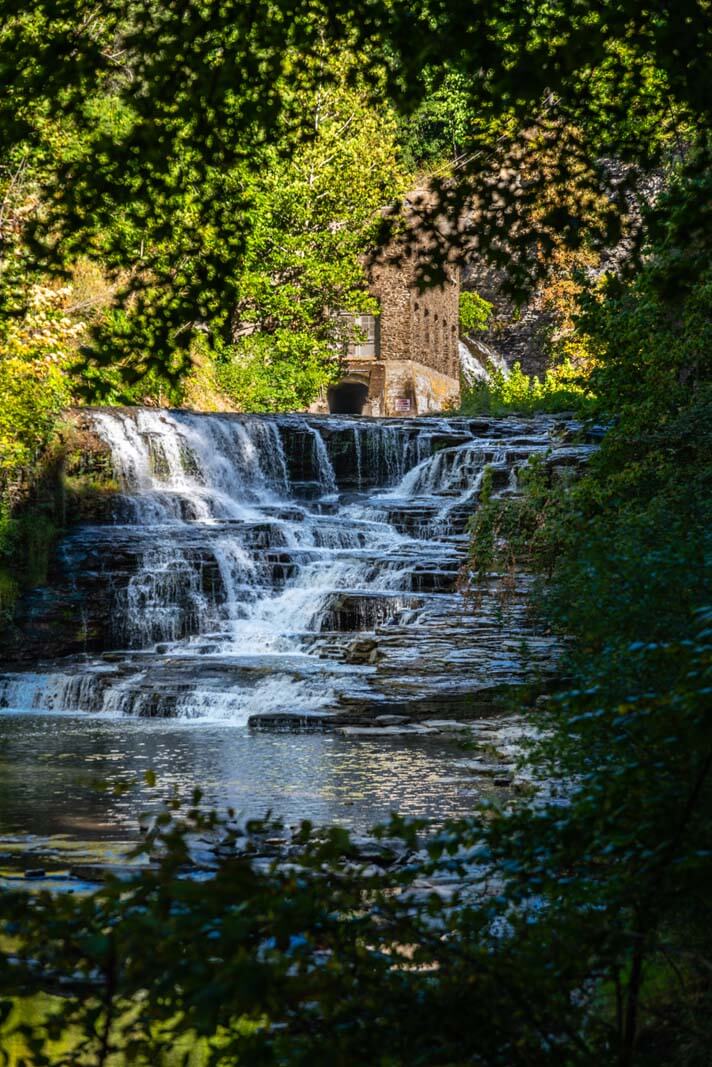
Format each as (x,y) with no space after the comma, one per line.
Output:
(431,390)
(399,387)
(420,326)
(416,369)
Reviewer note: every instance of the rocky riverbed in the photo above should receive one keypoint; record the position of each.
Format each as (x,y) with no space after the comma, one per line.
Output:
(286,577)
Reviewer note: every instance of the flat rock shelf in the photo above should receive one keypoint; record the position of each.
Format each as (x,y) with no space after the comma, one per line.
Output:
(286,574)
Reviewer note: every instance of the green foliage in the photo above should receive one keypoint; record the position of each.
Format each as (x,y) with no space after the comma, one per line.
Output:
(31,397)
(303,211)
(266,232)
(559,390)
(507,535)
(444,125)
(287,966)
(198,191)
(313,217)
(629,550)
(160,208)
(475,312)
(9,587)
(34,353)
(26,541)
(282,371)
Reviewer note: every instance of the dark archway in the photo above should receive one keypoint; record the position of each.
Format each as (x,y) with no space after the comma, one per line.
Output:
(348,398)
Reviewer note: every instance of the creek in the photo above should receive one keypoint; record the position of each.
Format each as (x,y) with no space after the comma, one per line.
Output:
(269,609)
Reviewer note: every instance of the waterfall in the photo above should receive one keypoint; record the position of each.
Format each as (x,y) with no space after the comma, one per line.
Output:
(247,551)
(478,362)
(322,463)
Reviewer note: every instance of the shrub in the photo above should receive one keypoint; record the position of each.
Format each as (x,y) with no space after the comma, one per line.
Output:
(559,390)
(282,371)
(475,312)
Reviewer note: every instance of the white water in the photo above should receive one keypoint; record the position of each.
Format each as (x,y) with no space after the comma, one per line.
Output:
(249,552)
(479,362)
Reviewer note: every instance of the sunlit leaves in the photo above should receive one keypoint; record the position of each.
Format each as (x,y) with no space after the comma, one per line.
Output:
(211,85)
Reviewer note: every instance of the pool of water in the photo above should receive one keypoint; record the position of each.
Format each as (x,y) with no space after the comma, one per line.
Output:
(246,561)
(73,787)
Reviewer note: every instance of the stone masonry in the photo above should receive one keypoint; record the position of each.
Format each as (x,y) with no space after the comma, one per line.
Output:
(410,362)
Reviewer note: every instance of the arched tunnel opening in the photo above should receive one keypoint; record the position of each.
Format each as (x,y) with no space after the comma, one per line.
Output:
(348,398)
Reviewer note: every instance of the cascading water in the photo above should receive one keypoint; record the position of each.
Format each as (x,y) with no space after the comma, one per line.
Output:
(247,552)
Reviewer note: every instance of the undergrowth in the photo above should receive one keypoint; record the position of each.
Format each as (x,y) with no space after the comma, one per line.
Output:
(561,389)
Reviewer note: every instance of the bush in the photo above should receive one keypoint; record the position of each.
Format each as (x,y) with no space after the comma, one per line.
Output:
(275,372)
(560,390)
(475,312)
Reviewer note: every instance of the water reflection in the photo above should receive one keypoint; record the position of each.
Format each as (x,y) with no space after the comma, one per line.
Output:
(79,781)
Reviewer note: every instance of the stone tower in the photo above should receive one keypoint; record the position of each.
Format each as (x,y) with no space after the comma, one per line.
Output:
(409,361)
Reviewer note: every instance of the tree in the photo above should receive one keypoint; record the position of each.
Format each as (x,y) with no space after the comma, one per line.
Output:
(313,219)
(166,168)
(590,951)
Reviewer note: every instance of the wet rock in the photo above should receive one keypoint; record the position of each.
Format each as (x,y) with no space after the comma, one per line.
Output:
(351,612)
(95,873)
(414,729)
(219,513)
(362,650)
(291,722)
(383,852)
(488,770)
(448,440)
(447,725)
(372,871)
(426,580)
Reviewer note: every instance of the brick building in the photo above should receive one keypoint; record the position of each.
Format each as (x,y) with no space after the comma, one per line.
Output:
(409,361)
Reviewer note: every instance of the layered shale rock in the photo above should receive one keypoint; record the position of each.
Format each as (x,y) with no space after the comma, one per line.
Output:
(287,571)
